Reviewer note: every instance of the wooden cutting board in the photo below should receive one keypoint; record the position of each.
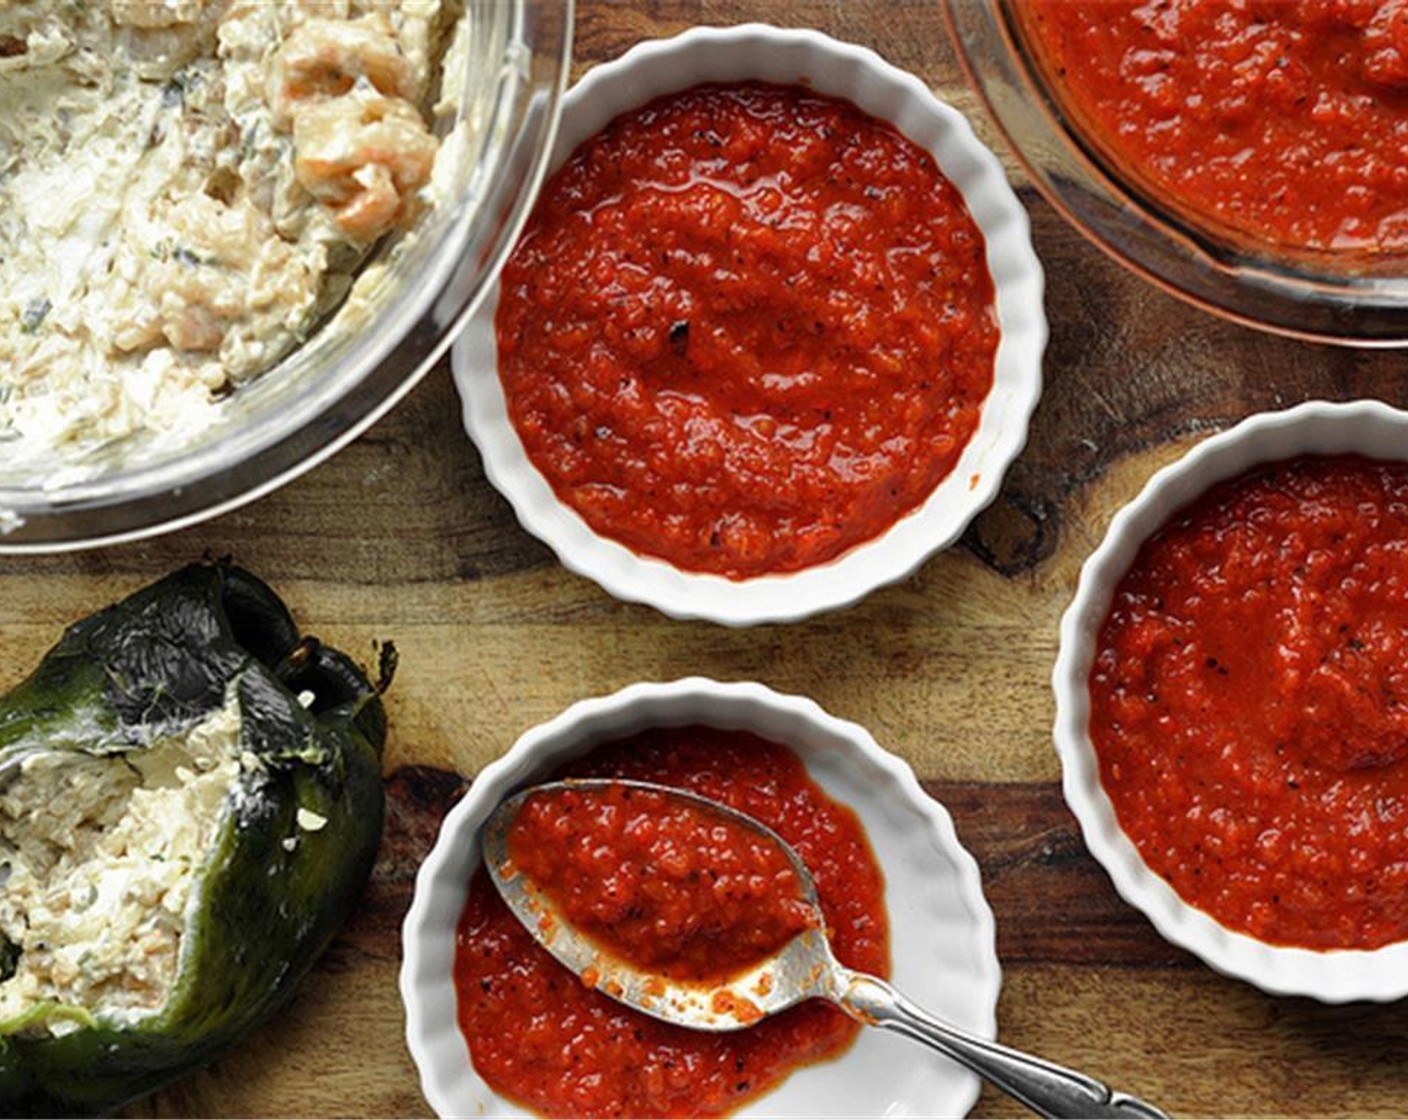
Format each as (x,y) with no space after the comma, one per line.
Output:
(400,537)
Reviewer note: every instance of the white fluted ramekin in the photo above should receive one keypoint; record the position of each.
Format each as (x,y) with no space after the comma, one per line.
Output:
(942,939)
(761,53)
(1367,428)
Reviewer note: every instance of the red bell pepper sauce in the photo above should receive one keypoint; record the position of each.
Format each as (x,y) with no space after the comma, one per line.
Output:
(1284,120)
(747,328)
(666,885)
(1249,703)
(539,1036)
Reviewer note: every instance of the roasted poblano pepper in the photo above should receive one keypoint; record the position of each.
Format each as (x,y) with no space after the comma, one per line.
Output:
(199,682)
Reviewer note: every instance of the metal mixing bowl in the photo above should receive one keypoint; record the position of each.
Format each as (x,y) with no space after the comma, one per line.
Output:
(339,383)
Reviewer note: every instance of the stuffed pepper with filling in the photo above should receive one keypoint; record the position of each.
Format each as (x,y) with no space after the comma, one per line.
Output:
(190,804)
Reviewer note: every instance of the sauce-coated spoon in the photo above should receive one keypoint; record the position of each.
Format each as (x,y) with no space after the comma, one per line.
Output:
(804,968)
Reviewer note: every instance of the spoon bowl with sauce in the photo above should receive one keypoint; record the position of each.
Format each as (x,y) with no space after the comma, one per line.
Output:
(701,916)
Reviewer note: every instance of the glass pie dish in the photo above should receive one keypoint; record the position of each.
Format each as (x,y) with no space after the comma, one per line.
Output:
(421,288)
(1340,297)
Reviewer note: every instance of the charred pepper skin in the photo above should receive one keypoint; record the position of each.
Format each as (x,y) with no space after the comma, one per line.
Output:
(160,661)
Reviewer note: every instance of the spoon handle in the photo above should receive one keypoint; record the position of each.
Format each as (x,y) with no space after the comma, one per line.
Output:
(1044,1087)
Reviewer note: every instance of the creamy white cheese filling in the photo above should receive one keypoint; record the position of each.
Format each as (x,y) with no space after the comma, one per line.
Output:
(186,187)
(100,857)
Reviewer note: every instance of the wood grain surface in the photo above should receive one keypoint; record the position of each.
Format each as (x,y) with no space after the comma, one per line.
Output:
(401,537)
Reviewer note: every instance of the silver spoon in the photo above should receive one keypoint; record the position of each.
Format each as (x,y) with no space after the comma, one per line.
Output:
(804,968)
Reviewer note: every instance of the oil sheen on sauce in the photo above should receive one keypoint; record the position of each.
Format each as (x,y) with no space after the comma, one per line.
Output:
(747,328)
(539,1036)
(1249,703)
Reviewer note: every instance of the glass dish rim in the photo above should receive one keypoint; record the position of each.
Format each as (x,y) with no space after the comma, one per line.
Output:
(1282,296)
(402,340)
